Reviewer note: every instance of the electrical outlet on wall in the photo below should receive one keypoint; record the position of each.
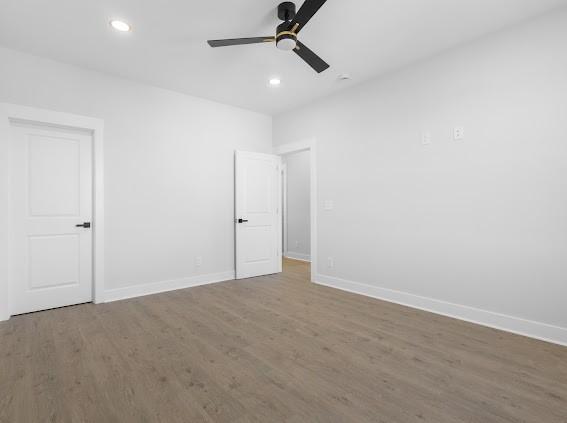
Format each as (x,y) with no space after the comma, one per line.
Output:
(330,262)
(198,261)
(458,133)
(329,205)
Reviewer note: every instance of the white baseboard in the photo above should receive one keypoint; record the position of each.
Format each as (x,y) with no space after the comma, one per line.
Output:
(532,329)
(164,286)
(298,256)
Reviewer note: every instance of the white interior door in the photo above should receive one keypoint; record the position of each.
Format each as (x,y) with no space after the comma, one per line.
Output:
(258,214)
(52,193)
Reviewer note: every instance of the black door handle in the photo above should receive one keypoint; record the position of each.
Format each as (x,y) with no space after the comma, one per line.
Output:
(84,225)
(242,220)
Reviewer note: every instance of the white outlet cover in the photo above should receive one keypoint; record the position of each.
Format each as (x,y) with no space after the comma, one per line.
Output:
(458,133)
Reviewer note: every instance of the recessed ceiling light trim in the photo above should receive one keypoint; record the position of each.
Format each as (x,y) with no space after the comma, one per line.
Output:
(274,82)
(121,26)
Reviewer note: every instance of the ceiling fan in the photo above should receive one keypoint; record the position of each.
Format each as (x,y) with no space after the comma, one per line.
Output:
(286,34)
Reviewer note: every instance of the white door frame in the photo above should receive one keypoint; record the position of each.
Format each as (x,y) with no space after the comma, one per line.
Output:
(295,147)
(284,209)
(15,113)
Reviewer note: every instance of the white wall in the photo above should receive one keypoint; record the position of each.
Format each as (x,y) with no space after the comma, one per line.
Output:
(168,166)
(480,223)
(298,211)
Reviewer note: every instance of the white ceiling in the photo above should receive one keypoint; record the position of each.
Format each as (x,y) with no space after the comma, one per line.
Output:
(167,47)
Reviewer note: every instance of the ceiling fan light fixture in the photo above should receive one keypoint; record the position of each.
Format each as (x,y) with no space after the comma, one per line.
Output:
(286,42)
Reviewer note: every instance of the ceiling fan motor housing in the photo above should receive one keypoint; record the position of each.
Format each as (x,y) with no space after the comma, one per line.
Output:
(285,39)
(286,11)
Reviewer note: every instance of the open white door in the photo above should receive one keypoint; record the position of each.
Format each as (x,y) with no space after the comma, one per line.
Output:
(258,214)
(52,199)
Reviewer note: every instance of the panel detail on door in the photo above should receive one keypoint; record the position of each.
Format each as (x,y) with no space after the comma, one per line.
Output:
(258,244)
(53,176)
(259,196)
(54,260)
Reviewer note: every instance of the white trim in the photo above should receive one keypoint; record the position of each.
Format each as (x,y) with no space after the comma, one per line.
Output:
(10,112)
(164,286)
(298,256)
(280,217)
(284,208)
(295,147)
(532,329)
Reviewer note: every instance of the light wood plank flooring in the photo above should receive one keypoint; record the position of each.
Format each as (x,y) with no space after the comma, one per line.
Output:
(271,349)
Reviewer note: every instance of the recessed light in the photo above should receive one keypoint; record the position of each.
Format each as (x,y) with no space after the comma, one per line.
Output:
(274,82)
(120,25)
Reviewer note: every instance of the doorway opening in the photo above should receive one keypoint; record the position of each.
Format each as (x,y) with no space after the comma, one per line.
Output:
(296,206)
(299,205)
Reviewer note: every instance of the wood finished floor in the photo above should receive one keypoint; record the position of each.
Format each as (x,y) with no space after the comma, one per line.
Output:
(271,349)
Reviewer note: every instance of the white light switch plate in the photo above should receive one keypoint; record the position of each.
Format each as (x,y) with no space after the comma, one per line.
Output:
(329,205)
(426,138)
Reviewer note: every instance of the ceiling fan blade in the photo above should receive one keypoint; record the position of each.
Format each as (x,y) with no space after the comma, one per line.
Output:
(318,64)
(305,13)
(240,41)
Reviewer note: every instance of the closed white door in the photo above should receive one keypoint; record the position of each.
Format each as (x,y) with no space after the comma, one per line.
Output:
(52,194)
(258,214)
